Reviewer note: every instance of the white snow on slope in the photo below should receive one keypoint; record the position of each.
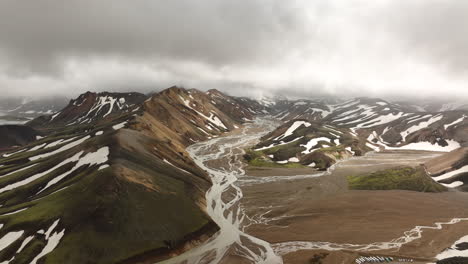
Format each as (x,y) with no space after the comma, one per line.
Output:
(52,243)
(412,120)
(15,212)
(346,114)
(293,128)
(39,175)
(104,100)
(452,251)
(365,115)
(99,104)
(212,118)
(51,228)
(455,122)
(454,184)
(349,149)
(103,167)
(427,146)
(59,142)
(168,162)
(384,119)
(323,113)
(281,143)
(333,129)
(452,106)
(25,242)
(449,175)
(347,104)
(15,171)
(63,148)
(54,116)
(119,126)
(37,147)
(91,158)
(312,143)
(300,103)
(375,148)
(420,126)
(9,238)
(385,130)
(13,153)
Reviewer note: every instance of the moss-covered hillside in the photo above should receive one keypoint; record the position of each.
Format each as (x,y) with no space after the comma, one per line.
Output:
(401,178)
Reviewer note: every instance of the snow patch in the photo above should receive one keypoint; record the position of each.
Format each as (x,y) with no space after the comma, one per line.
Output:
(293,128)
(91,158)
(9,238)
(25,242)
(63,148)
(428,146)
(455,122)
(312,143)
(454,184)
(449,175)
(119,126)
(52,243)
(420,126)
(454,251)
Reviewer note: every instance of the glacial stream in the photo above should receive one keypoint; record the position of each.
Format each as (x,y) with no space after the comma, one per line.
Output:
(221,157)
(224,196)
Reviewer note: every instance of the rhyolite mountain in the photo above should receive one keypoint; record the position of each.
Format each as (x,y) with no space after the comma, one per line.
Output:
(110,181)
(317,133)
(92,107)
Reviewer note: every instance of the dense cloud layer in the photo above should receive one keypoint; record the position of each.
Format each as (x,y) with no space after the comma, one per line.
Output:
(301,48)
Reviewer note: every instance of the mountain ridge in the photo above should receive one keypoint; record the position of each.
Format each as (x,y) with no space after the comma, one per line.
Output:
(115,173)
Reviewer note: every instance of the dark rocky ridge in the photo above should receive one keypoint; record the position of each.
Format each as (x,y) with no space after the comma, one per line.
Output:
(16,135)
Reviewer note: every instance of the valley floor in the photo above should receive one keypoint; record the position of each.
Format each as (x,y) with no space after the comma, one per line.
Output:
(303,212)
(297,214)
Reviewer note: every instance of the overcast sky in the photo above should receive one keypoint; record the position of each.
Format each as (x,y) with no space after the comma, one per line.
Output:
(395,48)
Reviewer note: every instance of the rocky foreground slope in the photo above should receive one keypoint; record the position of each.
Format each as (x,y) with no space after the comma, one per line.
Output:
(111,182)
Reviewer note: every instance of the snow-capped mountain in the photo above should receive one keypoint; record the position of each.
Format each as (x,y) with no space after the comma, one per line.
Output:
(109,166)
(91,107)
(317,134)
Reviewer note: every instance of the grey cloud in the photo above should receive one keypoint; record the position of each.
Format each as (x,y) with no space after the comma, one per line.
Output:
(432,29)
(38,35)
(298,48)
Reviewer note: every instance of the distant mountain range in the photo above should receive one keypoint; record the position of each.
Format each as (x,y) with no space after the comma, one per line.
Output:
(21,110)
